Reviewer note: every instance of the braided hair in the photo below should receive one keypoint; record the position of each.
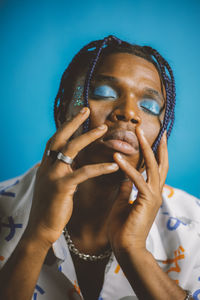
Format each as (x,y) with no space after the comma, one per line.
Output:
(88,58)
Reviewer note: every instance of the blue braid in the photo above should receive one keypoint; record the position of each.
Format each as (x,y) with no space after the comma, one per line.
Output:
(169,84)
(90,73)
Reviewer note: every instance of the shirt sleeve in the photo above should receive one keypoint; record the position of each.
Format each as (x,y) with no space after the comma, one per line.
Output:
(15,204)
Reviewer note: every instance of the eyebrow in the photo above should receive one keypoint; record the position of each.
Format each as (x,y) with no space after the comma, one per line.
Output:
(154,93)
(147,91)
(105,78)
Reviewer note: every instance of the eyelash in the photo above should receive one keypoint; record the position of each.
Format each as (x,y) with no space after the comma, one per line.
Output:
(148,105)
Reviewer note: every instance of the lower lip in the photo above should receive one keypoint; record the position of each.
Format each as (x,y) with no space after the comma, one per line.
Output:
(120,146)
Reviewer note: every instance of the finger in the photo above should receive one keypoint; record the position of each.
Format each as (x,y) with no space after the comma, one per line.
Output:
(125,192)
(68,128)
(45,158)
(163,160)
(132,173)
(90,171)
(149,158)
(72,148)
(77,144)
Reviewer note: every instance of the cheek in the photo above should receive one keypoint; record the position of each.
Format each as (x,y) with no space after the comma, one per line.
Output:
(99,112)
(72,111)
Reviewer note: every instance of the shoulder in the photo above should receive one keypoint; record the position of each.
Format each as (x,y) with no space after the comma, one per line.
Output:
(180,209)
(175,237)
(180,202)
(15,203)
(175,193)
(15,192)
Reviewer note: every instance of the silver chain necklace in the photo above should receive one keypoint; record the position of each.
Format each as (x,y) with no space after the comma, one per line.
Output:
(83,256)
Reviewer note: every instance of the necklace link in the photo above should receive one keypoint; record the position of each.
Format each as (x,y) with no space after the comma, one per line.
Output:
(86,257)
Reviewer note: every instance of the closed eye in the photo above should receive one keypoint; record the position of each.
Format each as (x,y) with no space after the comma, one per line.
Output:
(102,92)
(150,106)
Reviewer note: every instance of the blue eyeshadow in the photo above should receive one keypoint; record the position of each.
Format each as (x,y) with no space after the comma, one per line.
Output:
(104,91)
(151,106)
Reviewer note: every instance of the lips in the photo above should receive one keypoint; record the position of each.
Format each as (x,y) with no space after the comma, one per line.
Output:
(121,140)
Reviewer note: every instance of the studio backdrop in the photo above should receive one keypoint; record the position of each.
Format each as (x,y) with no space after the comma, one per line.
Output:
(39,39)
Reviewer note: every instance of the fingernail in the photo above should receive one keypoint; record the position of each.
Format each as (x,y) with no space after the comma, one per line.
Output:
(113,167)
(164,138)
(103,126)
(141,131)
(119,156)
(83,110)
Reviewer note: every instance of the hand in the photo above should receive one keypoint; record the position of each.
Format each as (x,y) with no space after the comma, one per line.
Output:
(129,224)
(56,181)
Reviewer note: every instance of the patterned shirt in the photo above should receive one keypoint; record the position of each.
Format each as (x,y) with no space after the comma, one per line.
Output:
(174,241)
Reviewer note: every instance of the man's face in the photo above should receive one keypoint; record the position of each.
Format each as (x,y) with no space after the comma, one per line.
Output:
(125,92)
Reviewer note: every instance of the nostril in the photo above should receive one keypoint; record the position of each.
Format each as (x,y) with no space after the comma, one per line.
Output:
(120,117)
(134,121)
(123,118)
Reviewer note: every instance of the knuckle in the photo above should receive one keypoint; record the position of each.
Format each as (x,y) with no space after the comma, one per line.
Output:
(93,133)
(77,120)
(86,170)
(53,139)
(102,168)
(70,146)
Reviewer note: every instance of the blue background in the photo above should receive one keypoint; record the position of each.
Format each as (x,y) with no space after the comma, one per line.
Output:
(38,40)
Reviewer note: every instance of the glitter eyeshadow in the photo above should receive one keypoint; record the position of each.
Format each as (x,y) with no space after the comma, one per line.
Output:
(78,96)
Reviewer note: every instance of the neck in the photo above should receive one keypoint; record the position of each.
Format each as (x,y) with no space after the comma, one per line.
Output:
(92,204)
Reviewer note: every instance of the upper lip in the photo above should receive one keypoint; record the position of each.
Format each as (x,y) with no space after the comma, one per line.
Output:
(123,135)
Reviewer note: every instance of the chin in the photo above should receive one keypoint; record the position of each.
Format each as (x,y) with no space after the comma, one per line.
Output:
(97,153)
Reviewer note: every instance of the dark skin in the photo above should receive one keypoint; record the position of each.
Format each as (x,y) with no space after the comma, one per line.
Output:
(106,218)
(115,71)
(133,76)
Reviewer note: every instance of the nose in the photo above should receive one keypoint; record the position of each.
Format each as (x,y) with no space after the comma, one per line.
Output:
(126,111)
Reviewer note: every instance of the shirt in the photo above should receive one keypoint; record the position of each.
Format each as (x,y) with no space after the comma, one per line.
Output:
(174,241)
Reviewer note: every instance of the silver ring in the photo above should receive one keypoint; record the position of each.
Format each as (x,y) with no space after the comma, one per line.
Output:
(66,159)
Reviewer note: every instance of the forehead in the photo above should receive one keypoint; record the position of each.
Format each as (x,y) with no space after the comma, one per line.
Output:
(130,69)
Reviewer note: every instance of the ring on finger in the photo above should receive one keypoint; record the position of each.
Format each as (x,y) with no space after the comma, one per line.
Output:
(66,159)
